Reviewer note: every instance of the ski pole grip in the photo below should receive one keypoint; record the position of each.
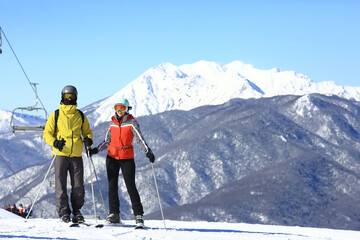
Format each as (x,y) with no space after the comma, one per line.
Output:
(87,151)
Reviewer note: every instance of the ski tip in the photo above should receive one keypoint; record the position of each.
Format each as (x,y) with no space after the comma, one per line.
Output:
(84,224)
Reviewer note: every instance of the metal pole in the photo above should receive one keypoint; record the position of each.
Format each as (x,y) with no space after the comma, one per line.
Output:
(42,184)
(92,189)
(97,180)
(157,190)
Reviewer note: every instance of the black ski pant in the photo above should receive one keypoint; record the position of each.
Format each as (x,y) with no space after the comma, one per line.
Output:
(127,167)
(73,165)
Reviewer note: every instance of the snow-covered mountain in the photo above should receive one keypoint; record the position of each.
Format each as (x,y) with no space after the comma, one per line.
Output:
(168,87)
(285,160)
(257,157)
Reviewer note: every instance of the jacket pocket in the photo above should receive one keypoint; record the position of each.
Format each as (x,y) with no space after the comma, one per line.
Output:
(113,151)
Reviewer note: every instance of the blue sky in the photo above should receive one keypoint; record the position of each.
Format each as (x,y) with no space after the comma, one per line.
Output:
(101,46)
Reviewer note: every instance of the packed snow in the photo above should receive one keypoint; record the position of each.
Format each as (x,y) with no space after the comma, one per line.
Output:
(18,228)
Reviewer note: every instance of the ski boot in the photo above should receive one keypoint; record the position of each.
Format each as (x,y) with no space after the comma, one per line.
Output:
(65,218)
(113,218)
(78,218)
(139,222)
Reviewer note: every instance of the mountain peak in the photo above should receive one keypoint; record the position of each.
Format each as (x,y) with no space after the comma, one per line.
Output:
(166,67)
(167,87)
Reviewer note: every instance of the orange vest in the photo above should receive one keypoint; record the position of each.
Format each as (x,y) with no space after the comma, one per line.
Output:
(120,146)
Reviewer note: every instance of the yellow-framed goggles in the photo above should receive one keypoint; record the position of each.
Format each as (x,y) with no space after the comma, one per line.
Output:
(70,95)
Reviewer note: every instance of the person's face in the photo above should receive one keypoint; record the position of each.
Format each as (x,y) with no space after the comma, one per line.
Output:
(70,96)
(69,99)
(120,110)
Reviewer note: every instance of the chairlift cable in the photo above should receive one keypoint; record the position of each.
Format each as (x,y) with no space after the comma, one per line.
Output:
(17,59)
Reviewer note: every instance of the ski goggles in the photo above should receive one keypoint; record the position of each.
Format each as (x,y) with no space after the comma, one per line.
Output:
(69,95)
(121,108)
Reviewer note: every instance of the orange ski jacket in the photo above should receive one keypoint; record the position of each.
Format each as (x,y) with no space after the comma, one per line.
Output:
(119,138)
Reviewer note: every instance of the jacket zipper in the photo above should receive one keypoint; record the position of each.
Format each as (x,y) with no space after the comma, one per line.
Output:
(72,137)
(72,142)
(122,149)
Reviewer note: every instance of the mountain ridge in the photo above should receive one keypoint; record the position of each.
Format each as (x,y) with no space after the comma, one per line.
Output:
(168,87)
(300,154)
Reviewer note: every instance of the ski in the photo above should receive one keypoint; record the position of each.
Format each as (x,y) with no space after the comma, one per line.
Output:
(73,224)
(89,225)
(139,227)
(119,225)
(84,224)
(99,225)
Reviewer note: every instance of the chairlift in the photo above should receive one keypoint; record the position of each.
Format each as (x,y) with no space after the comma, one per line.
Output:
(28,128)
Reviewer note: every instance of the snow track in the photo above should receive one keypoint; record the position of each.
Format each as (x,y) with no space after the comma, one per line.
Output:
(52,229)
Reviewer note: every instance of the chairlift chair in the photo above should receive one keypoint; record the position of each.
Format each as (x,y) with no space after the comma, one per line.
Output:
(26,128)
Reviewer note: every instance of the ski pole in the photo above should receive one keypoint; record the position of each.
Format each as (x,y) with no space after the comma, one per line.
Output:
(97,180)
(157,190)
(42,184)
(92,188)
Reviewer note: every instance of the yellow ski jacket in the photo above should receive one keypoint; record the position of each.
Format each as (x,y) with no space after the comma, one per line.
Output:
(70,126)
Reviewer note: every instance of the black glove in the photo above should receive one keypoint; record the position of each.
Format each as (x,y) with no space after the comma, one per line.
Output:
(88,142)
(150,156)
(59,144)
(93,151)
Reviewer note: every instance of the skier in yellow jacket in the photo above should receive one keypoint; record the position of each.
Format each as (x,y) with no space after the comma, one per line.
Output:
(64,134)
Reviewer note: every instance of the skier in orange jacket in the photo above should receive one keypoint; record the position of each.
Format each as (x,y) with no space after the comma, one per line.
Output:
(118,141)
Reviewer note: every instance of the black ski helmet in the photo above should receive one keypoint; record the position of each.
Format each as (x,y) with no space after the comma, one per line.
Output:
(69,89)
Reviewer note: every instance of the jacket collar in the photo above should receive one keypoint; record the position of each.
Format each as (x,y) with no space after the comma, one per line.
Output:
(123,119)
(68,109)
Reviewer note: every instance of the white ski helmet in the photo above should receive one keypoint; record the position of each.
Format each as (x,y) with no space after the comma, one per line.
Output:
(122,101)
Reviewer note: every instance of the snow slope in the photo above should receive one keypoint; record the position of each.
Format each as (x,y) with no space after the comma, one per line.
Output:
(52,229)
(8,215)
